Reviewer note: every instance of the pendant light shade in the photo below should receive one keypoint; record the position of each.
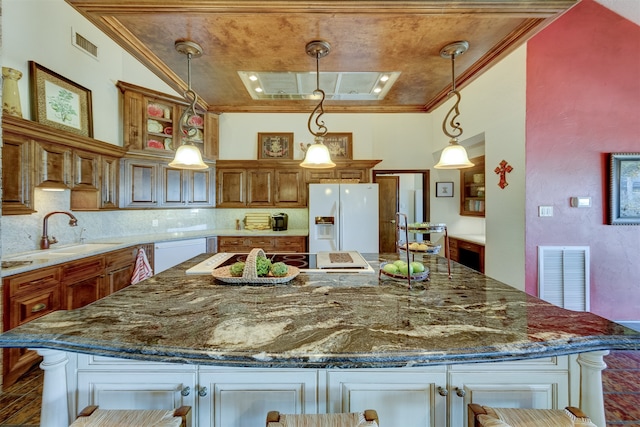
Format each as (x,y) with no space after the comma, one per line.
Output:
(454,156)
(188,156)
(317,154)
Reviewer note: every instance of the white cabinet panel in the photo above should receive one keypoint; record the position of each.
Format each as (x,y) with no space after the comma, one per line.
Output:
(401,398)
(515,389)
(136,390)
(243,398)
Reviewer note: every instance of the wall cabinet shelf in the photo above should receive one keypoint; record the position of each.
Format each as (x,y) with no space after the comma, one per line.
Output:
(472,189)
(151,122)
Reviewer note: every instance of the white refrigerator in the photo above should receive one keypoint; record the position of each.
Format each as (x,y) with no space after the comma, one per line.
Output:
(343,217)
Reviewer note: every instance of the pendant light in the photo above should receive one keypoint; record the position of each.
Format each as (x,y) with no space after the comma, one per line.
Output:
(188,156)
(317,154)
(454,156)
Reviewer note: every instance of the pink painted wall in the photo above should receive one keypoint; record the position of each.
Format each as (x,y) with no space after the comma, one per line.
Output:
(583,101)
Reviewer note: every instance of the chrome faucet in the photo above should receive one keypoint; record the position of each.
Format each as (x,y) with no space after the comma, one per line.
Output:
(45,242)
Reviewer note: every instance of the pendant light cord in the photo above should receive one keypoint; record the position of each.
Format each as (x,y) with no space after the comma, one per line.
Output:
(319,110)
(187,129)
(454,112)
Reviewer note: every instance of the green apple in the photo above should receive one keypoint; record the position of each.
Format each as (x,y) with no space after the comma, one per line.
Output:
(390,268)
(399,263)
(406,269)
(418,267)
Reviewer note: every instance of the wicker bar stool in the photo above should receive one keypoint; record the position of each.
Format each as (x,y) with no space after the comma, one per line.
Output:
(92,416)
(368,418)
(486,416)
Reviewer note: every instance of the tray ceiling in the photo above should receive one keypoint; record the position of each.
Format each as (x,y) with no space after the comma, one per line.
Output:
(365,36)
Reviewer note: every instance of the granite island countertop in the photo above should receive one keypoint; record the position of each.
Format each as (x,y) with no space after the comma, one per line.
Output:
(323,320)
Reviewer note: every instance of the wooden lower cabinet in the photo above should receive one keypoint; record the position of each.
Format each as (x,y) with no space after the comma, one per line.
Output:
(467,253)
(82,282)
(434,396)
(66,286)
(241,244)
(26,297)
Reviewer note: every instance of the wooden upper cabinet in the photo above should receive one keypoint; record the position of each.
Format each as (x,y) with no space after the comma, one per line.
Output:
(232,184)
(17,175)
(36,155)
(139,187)
(85,170)
(278,183)
(472,189)
(52,165)
(151,122)
(289,188)
(260,187)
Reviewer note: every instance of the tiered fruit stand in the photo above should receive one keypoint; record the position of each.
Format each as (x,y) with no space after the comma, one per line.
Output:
(413,248)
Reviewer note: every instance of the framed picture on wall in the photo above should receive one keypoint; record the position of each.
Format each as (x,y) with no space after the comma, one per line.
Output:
(624,189)
(339,145)
(275,145)
(444,189)
(58,102)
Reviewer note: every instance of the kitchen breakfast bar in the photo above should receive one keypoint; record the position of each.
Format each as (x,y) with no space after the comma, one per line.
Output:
(323,342)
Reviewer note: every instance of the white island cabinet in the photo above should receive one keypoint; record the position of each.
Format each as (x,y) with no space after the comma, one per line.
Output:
(433,396)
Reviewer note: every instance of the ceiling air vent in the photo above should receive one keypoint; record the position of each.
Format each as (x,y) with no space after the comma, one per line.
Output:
(79,41)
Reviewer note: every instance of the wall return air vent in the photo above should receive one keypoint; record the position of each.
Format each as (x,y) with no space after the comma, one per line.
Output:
(82,43)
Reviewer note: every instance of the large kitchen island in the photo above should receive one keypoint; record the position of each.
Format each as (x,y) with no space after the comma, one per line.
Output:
(323,342)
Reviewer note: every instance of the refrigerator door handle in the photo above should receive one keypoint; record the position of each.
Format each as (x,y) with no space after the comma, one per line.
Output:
(340,224)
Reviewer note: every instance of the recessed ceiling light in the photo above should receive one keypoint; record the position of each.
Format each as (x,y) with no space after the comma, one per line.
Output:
(346,86)
(259,89)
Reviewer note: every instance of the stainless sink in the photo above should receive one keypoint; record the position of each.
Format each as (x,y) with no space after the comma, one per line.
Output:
(65,251)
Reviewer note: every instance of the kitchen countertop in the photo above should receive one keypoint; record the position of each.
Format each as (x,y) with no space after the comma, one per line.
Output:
(46,258)
(473,238)
(323,320)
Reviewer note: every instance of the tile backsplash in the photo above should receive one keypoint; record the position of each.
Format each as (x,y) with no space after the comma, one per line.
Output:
(22,233)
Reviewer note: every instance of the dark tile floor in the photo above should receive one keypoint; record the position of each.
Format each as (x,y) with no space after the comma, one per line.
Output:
(20,403)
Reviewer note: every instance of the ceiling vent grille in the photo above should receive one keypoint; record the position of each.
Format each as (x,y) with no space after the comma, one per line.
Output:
(82,43)
(349,86)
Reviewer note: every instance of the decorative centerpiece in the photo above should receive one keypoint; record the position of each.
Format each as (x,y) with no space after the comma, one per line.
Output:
(257,269)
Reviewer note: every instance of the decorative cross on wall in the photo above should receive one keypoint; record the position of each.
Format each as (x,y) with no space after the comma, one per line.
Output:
(503,169)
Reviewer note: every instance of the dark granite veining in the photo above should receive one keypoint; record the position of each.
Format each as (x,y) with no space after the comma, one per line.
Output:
(329,320)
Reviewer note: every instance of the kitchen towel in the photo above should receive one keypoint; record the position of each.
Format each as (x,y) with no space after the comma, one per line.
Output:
(142,269)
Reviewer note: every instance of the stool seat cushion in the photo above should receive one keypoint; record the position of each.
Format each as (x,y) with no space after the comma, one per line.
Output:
(352,419)
(511,417)
(120,417)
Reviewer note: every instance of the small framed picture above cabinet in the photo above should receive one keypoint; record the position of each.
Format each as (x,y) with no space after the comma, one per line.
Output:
(277,145)
(472,188)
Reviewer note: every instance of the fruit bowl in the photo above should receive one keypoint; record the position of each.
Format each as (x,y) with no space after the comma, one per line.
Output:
(415,276)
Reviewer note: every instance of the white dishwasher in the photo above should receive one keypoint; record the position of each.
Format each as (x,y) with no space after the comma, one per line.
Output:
(169,254)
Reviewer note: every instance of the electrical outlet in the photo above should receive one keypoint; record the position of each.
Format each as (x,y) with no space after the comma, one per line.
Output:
(545,210)
(154,222)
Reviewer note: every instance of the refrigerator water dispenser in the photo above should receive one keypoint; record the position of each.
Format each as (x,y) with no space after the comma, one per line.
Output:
(324,227)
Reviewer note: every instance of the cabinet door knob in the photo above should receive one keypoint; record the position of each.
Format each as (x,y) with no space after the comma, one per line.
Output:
(202,391)
(443,391)
(460,392)
(186,391)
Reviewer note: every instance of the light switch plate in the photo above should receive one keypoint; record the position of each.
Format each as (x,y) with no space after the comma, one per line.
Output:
(545,210)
